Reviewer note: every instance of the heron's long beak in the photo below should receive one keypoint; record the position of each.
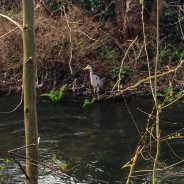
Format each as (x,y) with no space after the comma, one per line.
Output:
(85,68)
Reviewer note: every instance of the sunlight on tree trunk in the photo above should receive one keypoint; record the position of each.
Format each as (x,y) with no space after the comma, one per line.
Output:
(29,72)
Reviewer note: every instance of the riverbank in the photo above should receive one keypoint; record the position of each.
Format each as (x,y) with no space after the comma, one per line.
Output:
(67,44)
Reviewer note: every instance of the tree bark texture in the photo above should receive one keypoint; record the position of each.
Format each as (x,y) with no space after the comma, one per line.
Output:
(128,16)
(153,12)
(29,75)
(119,6)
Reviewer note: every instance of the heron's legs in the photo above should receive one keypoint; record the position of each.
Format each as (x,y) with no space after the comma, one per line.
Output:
(96,90)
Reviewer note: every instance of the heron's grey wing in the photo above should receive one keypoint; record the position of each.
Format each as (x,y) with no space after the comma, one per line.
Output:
(102,82)
(95,80)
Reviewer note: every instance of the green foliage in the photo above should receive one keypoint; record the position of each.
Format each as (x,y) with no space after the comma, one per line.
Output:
(115,73)
(62,166)
(164,93)
(169,95)
(55,96)
(5,178)
(175,136)
(172,55)
(170,23)
(7,161)
(87,103)
(1,168)
(97,7)
(1,173)
(53,157)
(152,130)
(109,52)
(177,55)
(165,54)
(54,6)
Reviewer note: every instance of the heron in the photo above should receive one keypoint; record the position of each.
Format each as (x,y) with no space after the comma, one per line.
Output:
(95,80)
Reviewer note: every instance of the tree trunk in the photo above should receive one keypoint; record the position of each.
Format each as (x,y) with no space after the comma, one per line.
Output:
(128,16)
(153,12)
(132,26)
(29,74)
(120,13)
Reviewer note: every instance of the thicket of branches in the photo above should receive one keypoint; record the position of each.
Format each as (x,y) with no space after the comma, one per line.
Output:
(69,38)
(69,35)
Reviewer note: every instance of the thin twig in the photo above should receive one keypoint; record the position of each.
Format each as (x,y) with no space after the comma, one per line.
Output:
(11,20)
(132,167)
(8,32)
(152,77)
(132,117)
(12,153)
(145,48)
(158,169)
(8,112)
(173,151)
(122,63)
(70,35)
(18,163)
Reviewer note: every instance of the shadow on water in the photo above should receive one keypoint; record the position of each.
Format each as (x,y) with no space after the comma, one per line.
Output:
(101,138)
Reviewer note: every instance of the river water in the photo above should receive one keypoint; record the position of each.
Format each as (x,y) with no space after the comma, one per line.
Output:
(95,142)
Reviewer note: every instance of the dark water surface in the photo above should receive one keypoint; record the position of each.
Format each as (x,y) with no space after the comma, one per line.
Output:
(101,139)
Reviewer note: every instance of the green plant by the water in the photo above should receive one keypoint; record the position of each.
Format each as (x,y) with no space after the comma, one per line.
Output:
(170,54)
(87,103)
(55,96)
(62,166)
(169,95)
(5,178)
(53,157)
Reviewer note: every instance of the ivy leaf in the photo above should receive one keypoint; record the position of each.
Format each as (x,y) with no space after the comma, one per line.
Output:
(62,166)
(7,161)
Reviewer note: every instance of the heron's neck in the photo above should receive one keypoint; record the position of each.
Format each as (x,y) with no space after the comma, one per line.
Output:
(91,71)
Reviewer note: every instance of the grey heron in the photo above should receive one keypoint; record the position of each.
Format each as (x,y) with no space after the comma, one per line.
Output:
(95,80)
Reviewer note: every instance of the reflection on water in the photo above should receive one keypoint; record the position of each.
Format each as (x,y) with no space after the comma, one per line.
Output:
(101,139)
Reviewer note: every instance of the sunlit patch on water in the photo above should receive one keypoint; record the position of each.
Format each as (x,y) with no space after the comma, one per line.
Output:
(18,130)
(76,117)
(79,134)
(55,179)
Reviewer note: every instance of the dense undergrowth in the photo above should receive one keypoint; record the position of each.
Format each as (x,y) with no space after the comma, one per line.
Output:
(69,37)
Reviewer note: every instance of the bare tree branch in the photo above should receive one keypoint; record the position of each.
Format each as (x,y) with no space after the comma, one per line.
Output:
(11,20)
